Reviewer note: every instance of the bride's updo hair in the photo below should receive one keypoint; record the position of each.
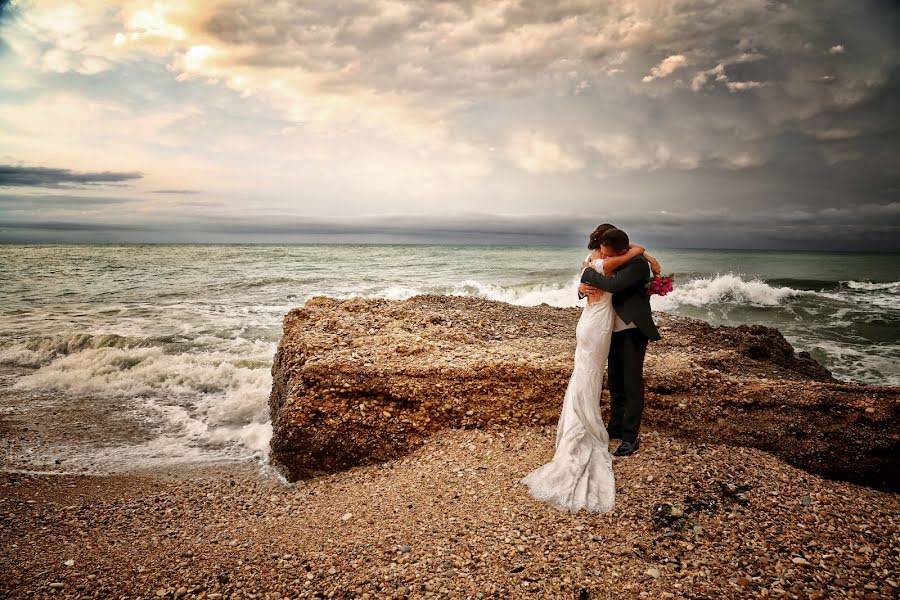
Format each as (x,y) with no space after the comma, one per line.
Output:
(594,240)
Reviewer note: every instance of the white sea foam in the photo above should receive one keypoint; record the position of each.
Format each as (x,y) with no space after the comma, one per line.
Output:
(879,295)
(730,289)
(37,351)
(200,397)
(721,289)
(554,295)
(858,362)
(893,286)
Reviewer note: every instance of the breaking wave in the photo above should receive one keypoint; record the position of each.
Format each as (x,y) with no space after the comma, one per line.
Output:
(725,289)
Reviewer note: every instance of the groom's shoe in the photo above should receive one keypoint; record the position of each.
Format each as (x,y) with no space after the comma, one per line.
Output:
(626,448)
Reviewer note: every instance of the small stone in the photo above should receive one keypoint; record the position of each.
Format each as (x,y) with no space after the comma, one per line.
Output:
(69,562)
(806,500)
(870,411)
(676,512)
(161,592)
(404,549)
(654,573)
(57,585)
(801,562)
(743,581)
(347,516)
(182,591)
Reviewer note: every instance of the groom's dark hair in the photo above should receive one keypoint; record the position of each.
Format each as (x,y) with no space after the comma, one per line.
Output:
(615,239)
(597,235)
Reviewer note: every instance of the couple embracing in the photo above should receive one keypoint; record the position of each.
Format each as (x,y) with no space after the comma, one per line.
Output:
(616,325)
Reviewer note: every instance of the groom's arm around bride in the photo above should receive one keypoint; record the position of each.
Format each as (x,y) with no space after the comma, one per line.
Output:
(630,299)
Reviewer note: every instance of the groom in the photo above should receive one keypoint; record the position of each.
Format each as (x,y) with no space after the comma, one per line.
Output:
(633,329)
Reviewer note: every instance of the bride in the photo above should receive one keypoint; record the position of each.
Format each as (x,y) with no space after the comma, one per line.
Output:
(580,475)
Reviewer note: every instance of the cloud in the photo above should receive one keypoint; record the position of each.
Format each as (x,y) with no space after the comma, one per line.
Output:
(537,153)
(20,176)
(836,133)
(66,201)
(836,49)
(177,192)
(740,86)
(321,109)
(68,226)
(620,152)
(666,67)
(868,227)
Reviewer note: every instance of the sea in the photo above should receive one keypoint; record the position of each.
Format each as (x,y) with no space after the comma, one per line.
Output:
(170,346)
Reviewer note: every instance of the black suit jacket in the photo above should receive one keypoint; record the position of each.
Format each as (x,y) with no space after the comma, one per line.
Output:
(630,299)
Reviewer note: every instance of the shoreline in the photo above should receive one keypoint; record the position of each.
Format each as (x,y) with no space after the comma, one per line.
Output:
(449,518)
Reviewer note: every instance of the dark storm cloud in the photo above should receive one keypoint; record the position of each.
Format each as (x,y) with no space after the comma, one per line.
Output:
(5,9)
(40,201)
(19,176)
(874,227)
(797,91)
(88,226)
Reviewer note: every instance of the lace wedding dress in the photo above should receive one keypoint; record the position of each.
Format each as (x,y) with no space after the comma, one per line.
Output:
(580,475)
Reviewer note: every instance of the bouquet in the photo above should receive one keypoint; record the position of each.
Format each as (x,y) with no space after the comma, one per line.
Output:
(660,284)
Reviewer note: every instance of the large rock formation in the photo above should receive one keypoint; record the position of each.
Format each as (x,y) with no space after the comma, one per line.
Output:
(363,380)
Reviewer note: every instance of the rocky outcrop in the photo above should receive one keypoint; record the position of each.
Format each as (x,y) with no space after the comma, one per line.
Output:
(365,380)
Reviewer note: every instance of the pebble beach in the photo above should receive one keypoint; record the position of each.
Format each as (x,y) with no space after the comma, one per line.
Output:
(450,520)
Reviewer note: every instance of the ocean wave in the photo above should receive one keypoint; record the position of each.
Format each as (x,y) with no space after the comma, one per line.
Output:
(37,351)
(209,397)
(521,295)
(724,289)
(875,364)
(720,289)
(554,295)
(868,286)
(882,296)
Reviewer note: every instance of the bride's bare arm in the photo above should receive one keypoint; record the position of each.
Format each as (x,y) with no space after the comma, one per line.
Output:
(654,264)
(612,263)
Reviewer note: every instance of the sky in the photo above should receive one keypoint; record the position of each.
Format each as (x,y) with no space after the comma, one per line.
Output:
(688,123)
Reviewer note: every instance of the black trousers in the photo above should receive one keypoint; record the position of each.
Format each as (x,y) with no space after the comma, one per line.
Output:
(626,382)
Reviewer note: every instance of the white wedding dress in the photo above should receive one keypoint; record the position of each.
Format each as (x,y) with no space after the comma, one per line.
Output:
(580,476)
